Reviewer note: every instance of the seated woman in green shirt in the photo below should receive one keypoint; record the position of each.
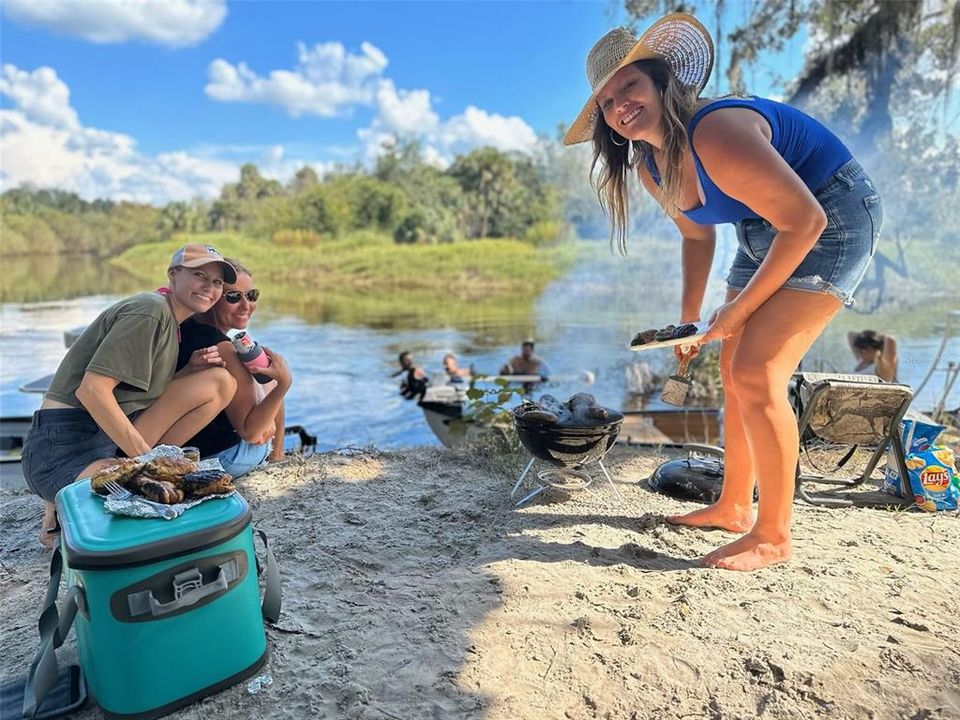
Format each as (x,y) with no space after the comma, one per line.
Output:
(116,388)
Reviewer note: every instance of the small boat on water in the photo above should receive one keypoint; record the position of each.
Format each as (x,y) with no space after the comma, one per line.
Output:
(665,426)
(446,410)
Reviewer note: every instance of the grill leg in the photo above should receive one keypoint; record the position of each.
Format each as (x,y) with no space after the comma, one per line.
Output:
(520,479)
(532,495)
(610,480)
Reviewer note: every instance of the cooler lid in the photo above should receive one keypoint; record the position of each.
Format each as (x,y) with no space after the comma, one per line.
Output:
(95,538)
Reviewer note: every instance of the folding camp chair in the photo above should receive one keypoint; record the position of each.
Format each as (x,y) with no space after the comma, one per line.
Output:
(853,410)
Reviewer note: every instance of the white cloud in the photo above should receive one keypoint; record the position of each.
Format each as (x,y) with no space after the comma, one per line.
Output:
(174,23)
(42,142)
(478,127)
(41,96)
(406,111)
(326,81)
(409,114)
(101,164)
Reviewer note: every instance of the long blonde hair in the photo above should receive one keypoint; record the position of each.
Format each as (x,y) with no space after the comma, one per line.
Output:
(610,183)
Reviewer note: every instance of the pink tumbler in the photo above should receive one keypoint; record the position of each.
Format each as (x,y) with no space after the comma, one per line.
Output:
(251,355)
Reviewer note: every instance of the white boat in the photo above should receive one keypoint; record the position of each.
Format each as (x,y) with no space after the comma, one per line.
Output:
(443,405)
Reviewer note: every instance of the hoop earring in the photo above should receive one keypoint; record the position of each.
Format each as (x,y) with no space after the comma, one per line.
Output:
(613,139)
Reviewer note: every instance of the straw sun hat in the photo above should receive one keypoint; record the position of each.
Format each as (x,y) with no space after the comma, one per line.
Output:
(679,39)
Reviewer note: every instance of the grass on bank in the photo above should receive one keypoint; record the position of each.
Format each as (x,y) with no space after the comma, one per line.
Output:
(366,278)
(372,259)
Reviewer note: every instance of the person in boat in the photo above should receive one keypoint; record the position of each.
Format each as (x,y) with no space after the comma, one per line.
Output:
(807,218)
(117,389)
(414,382)
(526,363)
(876,354)
(250,430)
(455,373)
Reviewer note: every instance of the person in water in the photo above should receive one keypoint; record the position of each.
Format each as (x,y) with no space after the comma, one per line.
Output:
(526,363)
(807,219)
(414,382)
(115,390)
(250,429)
(876,354)
(455,373)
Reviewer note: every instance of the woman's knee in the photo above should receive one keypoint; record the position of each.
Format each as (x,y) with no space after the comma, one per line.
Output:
(753,382)
(223,385)
(214,385)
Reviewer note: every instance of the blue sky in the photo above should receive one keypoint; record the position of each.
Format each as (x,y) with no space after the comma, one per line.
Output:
(164,100)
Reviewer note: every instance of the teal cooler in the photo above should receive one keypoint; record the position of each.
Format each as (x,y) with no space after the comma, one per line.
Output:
(168,610)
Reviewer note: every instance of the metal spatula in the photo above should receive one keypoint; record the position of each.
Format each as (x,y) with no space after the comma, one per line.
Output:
(677,386)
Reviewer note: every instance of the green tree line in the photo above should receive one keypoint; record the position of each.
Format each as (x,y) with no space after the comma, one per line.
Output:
(483,194)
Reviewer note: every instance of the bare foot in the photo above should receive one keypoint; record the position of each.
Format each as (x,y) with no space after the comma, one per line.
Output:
(49,526)
(750,553)
(716,517)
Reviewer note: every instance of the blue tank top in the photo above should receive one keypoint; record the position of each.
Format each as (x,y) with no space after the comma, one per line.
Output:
(813,152)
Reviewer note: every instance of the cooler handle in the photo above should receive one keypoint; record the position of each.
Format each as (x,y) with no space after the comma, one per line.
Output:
(188,589)
(54,626)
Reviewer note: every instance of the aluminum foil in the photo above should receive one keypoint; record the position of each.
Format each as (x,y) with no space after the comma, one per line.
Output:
(140,507)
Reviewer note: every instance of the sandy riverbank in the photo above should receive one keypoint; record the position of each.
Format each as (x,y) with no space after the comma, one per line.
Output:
(414,590)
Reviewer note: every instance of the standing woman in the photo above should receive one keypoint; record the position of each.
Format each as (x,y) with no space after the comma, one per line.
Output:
(240,436)
(115,388)
(807,220)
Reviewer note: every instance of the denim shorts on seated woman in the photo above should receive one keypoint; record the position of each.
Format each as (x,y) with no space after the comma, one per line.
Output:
(242,457)
(61,442)
(839,260)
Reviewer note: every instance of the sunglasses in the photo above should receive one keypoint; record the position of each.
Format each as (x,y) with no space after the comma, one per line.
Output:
(233,296)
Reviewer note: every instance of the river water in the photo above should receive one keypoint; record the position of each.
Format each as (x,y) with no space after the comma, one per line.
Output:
(343,392)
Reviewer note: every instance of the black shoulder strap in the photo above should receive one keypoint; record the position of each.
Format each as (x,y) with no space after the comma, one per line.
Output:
(54,626)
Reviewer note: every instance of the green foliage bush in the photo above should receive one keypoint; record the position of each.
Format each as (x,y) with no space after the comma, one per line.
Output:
(297,238)
(411,229)
(44,222)
(372,202)
(548,232)
(322,210)
(38,235)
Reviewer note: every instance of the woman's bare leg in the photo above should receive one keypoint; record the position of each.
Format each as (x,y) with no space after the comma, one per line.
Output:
(186,406)
(733,511)
(771,346)
(49,530)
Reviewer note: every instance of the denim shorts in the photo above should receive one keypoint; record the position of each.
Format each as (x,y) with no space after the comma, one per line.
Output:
(242,457)
(839,260)
(61,442)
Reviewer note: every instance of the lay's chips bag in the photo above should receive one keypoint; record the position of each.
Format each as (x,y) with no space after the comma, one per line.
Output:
(917,436)
(934,481)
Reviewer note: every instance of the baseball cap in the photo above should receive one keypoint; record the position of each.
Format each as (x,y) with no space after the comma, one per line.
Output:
(196,254)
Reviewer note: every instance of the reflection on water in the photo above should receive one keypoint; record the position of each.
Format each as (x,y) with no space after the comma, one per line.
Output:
(56,278)
(343,348)
(61,277)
